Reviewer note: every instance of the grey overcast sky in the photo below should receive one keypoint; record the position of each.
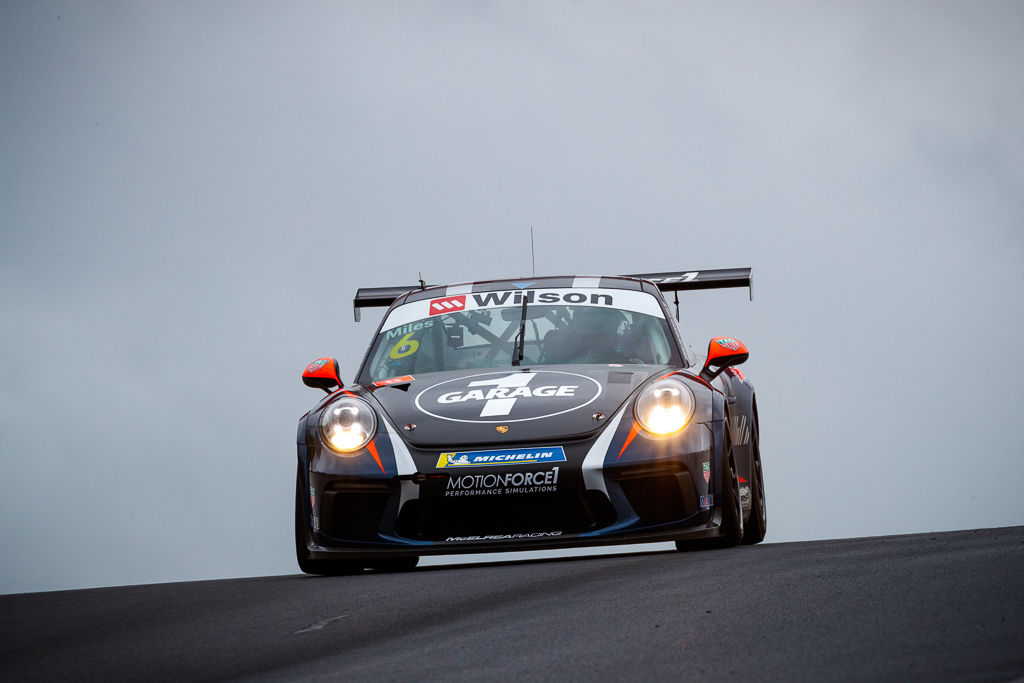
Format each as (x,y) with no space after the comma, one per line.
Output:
(191,192)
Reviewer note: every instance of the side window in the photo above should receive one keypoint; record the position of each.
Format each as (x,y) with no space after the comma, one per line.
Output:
(688,356)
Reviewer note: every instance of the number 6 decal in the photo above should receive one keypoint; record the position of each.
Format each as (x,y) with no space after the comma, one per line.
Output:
(410,346)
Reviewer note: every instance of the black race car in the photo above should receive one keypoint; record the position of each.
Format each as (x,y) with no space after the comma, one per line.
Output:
(528,414)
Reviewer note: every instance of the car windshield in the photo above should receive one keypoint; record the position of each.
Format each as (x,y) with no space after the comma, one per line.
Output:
(478,331)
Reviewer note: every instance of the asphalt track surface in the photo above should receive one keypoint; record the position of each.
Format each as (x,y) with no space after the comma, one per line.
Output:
(941,606)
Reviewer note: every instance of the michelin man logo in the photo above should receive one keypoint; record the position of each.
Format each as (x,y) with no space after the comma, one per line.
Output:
(463,459)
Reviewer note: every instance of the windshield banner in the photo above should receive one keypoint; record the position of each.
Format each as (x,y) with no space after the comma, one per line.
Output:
(623,299)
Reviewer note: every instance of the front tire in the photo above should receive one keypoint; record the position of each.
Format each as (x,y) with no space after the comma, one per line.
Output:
(732,514)
(754,529)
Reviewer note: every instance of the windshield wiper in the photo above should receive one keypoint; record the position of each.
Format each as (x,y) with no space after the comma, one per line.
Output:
(519,343)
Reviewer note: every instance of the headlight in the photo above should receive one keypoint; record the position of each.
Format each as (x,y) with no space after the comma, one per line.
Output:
(348,424)
(665,407)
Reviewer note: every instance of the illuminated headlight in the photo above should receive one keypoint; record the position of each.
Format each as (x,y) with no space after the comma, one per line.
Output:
(665,407)
(348,424)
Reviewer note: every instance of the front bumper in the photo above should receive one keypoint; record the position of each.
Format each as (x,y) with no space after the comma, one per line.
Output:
(619,487)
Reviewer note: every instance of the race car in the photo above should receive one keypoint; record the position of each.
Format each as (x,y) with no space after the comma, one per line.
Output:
(528,414)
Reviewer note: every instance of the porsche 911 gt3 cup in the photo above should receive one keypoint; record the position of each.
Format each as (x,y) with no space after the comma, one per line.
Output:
(528,414)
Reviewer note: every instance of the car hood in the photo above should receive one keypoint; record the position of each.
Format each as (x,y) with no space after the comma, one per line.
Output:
(505,406)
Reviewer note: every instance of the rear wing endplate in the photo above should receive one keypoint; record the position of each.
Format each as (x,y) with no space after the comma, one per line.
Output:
(701,279)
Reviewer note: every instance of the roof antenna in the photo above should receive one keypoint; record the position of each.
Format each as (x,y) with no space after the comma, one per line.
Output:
(423,285)
(677,304)
(533,258)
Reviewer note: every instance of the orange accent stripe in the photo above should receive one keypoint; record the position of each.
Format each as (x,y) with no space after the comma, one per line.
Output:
(632,433)
(373,451)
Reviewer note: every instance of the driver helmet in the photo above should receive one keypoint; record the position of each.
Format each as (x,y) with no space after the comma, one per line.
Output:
(601,328)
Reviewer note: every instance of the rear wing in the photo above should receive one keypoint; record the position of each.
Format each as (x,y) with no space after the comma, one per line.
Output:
(701,279)
(369,297)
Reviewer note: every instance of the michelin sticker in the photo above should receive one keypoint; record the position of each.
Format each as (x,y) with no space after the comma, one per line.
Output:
(508,456)
(508,397)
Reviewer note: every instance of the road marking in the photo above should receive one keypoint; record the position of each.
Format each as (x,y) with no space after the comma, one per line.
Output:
(318,626)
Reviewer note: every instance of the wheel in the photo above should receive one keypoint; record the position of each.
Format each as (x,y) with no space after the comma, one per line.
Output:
(732,514)
(310,566)
(754,529)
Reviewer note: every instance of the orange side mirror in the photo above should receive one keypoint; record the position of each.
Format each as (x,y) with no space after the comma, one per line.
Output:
(323,373)
(723,352)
